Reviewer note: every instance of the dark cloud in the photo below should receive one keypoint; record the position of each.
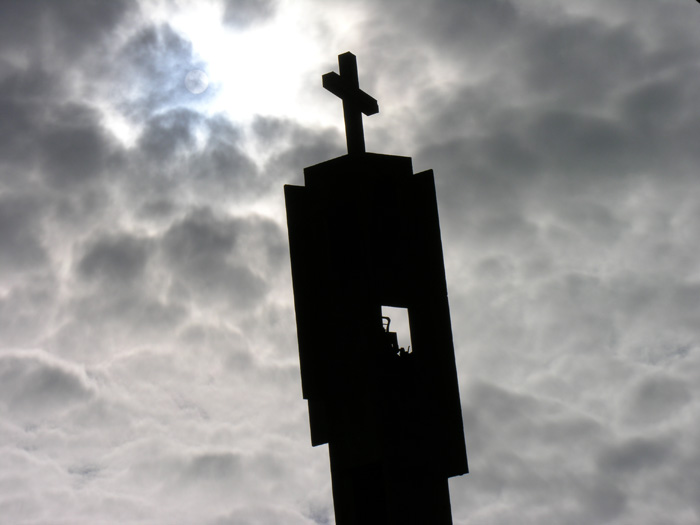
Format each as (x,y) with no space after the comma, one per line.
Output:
(295,147)
(168,134)
(181,156)
(657,398)
(208,255)
(222,168)
(36,384)
(604,500)
(64,142)
(199,235)
(117,292)
(24,306)
(582,59)
(75,147)
(120,260)
(512,439)
(635,455)
(241,14)
(70,29)
(479,24)
(212,467)
(603,146)
(151,71)
(25,93)
(21,246)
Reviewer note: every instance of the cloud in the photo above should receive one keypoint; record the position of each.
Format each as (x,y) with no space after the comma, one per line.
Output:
(183,159)
(38,385)
(264,515)
(657,398)
(151,267)
(75,148)
(151,70)
(21,246)
(212,467)
(118,259)
(635,455)
(205,252)
(514,444)
(293,147)
(241,14)
(168,134)
(69,30)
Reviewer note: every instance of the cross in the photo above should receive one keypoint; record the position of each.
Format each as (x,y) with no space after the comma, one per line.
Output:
(346,86)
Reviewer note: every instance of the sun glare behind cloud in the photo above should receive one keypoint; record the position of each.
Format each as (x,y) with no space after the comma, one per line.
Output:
(259,70)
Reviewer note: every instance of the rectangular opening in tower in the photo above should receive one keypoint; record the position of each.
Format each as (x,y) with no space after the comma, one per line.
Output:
(399,324)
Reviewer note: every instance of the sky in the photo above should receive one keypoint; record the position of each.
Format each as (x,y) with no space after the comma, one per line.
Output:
(148,359)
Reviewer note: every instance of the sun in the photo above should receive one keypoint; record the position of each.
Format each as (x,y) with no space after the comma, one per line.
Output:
(270,68)
(258,70)
(196,81)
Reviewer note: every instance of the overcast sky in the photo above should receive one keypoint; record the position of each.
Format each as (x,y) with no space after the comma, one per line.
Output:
(148,364)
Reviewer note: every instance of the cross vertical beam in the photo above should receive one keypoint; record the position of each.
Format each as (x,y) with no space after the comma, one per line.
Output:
(354,132)
(346,86)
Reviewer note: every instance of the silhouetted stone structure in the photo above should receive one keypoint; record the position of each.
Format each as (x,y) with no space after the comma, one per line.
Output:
(363,233)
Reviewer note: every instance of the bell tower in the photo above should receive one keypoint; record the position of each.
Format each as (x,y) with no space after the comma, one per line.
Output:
(364,233)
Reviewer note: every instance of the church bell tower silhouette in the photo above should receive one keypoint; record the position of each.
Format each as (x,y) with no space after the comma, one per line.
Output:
(364,233)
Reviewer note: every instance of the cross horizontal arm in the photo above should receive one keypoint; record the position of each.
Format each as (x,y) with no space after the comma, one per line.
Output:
(334,83)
